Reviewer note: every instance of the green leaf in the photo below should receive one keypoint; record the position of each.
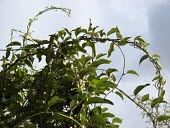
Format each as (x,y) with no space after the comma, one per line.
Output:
(106,84)
(119,94)
(156,101)
(145,97)
(116,120)
(119,36)
(156,56)
(139,88)
(8,52)
(104,109)
(72,104)
(28,62)
(143,58)
(113,30)
(15,43)
(83,72)
(132,72)
(93,49)
(97,119)
(163,118)
(156,78)
(139,39)
(122,43)
(107,115)
(90,26)
(77,31)
(126,38)
(100,55)
(111,49)
(110,70)
(28,124)
(113,77)
(55,100)
(68,32)
(162,93)
(99,62)
(93,100)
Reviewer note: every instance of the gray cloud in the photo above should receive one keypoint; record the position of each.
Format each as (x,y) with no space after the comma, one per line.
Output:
(159,29)
(129,15)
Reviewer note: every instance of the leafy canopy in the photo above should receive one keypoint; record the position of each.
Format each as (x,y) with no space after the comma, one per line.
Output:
(71,88)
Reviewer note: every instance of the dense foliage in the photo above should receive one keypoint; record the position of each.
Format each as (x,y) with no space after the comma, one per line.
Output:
(71,87)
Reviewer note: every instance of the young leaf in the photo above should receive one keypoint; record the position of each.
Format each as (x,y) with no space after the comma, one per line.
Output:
(72,104)
(28,62)
(55,100)
(93,100)
(99,62)
(139,39)
(8,52)
(15,43)
(110,70)
(98,119)
(145,97)
(119,94)
(116,120)
(156,101)
(139,88)
(156,55)
(162,93)
(111,49)
(132,72)
(113,77)
(143,58)
(156,78)
(107,115)
(163,118)
(113,30)
(100,55)
(28,124)
(106,84)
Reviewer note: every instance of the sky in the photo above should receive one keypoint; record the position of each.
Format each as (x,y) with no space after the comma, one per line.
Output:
(147,18)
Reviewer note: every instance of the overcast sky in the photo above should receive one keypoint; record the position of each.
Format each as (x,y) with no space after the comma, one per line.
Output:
(148,18)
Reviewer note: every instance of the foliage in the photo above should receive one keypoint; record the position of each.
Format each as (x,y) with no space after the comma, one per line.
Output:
(70,88)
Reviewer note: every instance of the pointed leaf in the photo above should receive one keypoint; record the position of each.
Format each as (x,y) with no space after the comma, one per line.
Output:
(106,84)
(28,124)
(111,49)
(163,118)
(72,104)
(143,58)
(107,115)
(156,78)
(113,30)
(145,98)
(15,43)
(119,94)
(99,62)
(55,100)
(98,119)
(100,55)
(116,120)
(8,52)
(93,100)
(139,88)
(132,72)
(162,93)
(110,70)
(156,101)
(28,62)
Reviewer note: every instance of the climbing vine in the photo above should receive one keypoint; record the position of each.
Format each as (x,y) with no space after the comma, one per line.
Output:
(68,90)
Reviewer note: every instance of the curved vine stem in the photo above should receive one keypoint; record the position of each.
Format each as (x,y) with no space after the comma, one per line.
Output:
(36,114)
